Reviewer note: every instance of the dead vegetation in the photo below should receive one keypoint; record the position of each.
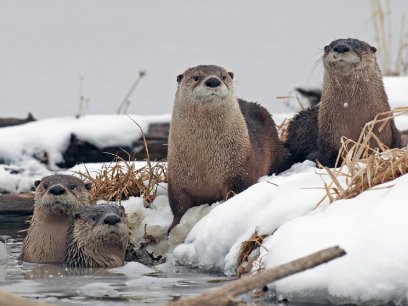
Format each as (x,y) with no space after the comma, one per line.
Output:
(363,167)
(393,62)
(121,179)
(245,260)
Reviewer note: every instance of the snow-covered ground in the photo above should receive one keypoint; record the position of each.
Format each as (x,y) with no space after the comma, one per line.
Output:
(22,142)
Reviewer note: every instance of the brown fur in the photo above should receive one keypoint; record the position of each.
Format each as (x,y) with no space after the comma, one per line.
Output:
(45,241)
(302,135)
(93,242)
(357,81)
(218,145)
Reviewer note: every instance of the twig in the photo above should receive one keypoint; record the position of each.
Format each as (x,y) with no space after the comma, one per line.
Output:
(226,294)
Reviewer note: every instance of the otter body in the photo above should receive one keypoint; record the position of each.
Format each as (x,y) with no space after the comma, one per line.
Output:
(56,198)
(302,135)
(218,145)
(97,237)
(353,94)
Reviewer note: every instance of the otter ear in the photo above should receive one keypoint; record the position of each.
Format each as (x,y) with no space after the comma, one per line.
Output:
(88,185)
(36,183)
(231,74)
(374,49)
(179,78)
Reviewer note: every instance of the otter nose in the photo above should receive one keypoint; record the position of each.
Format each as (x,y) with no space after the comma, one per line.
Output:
(111,219)
(57,190)
(213,82)
(341,48)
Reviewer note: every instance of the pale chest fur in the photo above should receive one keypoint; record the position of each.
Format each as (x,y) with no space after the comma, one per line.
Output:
(46,239)
(207,143)
(347,106)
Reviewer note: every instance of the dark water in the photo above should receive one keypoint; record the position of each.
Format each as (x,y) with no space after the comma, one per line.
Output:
(59,285)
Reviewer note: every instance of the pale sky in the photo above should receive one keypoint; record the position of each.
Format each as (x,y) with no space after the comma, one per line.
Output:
(271,46)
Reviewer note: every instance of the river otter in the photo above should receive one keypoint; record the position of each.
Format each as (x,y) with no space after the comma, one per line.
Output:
(353,94)
(56,198)
(218,145)
(97,237)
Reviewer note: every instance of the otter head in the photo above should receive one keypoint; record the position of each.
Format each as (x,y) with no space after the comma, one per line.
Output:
(205,83)
(61,195)
(101,233)
(346,55)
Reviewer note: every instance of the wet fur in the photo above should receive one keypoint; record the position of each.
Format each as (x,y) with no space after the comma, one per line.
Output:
(218,148)
(90,243)
(45,240)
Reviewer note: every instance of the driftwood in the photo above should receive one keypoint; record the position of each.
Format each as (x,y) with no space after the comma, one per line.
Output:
(4,122)
(313,96)
(11,299)
(226,294)
(80,151)
(16,208)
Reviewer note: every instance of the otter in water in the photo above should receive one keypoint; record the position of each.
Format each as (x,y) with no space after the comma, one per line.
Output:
(98,237)
(56,198)
(353,94)
(218,145)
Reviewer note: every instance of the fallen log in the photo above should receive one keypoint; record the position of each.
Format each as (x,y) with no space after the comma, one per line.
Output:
(16,208)
(226,294)
(5,122)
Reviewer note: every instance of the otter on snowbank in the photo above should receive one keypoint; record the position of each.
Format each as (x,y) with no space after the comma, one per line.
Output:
(353,94)
(218,145)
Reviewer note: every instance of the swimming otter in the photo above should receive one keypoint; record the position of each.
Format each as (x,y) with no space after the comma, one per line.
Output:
(56,198)
(353,94)
(218,145)
(97,237)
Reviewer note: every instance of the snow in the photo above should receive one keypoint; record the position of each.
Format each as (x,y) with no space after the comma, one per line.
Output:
(53,135)
(397,91)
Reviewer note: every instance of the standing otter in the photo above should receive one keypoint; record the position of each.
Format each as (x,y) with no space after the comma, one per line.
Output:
(218,145)
(56,198)
(353,94)
(98,237)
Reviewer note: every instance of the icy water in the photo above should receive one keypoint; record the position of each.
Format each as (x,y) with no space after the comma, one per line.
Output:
(53,283)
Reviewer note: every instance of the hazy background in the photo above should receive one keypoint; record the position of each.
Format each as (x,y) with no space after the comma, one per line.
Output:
(271,46)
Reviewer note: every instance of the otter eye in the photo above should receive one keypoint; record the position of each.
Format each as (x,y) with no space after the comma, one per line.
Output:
(224,77)
(45,186)
(93,218)
(195,78)
(326,48)
(72,186)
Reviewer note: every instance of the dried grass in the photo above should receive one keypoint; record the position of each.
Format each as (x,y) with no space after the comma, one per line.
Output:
(244,264)
(283,130)
(120,179)
(364,167)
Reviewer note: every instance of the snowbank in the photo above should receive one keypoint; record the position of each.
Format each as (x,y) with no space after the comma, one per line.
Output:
(370,227)
(53,135)
(397,91)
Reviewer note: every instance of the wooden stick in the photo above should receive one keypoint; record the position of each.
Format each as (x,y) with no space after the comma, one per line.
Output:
(226,294)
